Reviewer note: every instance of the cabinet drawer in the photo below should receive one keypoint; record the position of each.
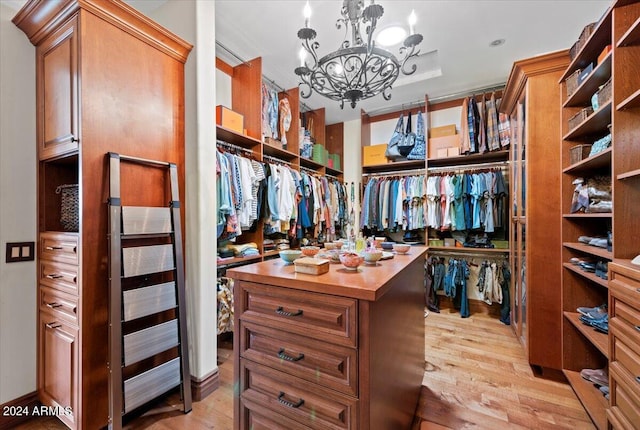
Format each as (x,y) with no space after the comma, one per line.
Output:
(625,315)
(295,399)
(329,365)
(62,247)
(625,288)
(59,275)
(625,402)
(60,304)
(320,316)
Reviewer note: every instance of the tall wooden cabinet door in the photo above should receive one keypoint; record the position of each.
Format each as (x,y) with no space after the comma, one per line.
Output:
(57,92)
(58,366)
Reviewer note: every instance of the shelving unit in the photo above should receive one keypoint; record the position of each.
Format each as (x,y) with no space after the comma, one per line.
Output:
(531,101)
(582,347)
(246,99)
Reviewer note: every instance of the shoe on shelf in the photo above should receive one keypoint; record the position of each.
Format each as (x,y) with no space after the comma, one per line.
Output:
(594,313)
(600,242)
(597,376)
(601,325)
(602,270)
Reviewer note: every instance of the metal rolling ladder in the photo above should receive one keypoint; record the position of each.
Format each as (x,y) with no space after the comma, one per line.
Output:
(148,351)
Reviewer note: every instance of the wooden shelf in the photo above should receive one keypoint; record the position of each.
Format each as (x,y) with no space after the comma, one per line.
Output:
(597,122)
(597,161)
(592,399)
(398,165)
(310,164)
(600,75)
(632,36)
(588,215)
(270,253)
(280,153)
(633,101)
(628,175)
(588,249)
(600,38)
(590,276)
(334,172)
(235,138)
(487,157)
(221,262)
(468,250)
(598,339)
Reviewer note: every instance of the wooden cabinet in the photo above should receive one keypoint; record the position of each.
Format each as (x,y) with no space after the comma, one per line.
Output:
(57,91)
(332,351)
(624,346)
(92,98)
(531,101)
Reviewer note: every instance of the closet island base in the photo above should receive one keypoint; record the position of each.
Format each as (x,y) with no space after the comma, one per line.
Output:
(341,350)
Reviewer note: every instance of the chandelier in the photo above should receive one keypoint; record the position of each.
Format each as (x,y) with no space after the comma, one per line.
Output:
(359,69)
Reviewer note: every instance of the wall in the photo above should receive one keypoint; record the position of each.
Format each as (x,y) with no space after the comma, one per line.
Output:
(18,214)
(195,22)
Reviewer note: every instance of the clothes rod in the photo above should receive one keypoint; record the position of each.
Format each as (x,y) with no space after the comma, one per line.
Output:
(475,91)
(477,252)
(276,160)
(398,173)
(232,146)
(461,168)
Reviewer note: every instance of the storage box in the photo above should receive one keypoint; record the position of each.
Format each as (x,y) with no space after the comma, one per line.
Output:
(444,142)
(604,53)
(453,152)
(579,153)
(604,93)
(227,118)
(374,154)
(500,244)
(311,266)
(436,242)
(584,73)
(572,82)
(445,130)
(449,242)
(578,118)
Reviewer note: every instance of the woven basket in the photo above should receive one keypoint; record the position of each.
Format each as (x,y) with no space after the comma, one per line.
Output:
(69,207)
(586,34)
(579,153)
(577,119)
(604,93)
(572,82)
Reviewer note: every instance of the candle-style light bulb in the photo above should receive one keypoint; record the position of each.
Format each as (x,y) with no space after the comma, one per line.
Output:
(302,55)
(307,14)
(412,21)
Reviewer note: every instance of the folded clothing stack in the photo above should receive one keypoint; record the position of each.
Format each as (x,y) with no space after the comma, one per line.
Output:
(240,250)
(596,317)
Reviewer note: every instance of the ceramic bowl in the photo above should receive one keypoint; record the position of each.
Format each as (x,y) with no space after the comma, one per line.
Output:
(351,261)
(371,256)
(401,248)
(332,245)
(387,246)
(289,255)
(310,251)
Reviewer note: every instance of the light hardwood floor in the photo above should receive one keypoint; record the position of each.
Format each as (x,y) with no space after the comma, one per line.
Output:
(476,377)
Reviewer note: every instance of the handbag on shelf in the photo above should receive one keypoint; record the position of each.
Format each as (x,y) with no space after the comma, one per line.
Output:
(419,151)
(408,141)
(392,152)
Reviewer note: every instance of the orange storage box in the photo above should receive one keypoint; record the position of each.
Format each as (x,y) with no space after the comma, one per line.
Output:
(445,146)
(445,130)
(229,119)
(374,154)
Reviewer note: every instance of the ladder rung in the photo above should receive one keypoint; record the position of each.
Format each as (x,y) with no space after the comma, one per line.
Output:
(150,384)
(149,300)
(150,341)
(144,260)
(146,220)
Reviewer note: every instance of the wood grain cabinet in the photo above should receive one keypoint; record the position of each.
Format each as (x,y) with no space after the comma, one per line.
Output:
(624,346)
(100,65)
(531,101)
(332,351)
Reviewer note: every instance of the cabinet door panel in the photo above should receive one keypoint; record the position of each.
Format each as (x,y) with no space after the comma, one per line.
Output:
(58,92)
(58,365)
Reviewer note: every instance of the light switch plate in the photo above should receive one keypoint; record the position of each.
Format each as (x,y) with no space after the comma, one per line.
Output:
(20,251)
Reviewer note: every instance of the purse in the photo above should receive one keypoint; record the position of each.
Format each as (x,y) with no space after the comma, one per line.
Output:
(392,152)
(420,148)
(408,141)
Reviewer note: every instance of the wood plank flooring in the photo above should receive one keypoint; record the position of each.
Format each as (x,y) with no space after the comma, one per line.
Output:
(476,377)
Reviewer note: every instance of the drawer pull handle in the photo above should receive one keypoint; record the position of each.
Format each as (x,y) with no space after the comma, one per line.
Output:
(53,325)
(53,305)
(283,356)
(638,379)
(281,311)
(289,404)
(54,276)
(638,327)
(54,248)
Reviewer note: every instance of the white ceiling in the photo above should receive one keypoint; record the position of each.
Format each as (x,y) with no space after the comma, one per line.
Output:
(460,31)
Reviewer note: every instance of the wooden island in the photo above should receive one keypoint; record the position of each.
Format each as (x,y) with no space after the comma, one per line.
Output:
(341,350)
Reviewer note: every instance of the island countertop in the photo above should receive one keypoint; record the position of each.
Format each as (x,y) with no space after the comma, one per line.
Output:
(369,282)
